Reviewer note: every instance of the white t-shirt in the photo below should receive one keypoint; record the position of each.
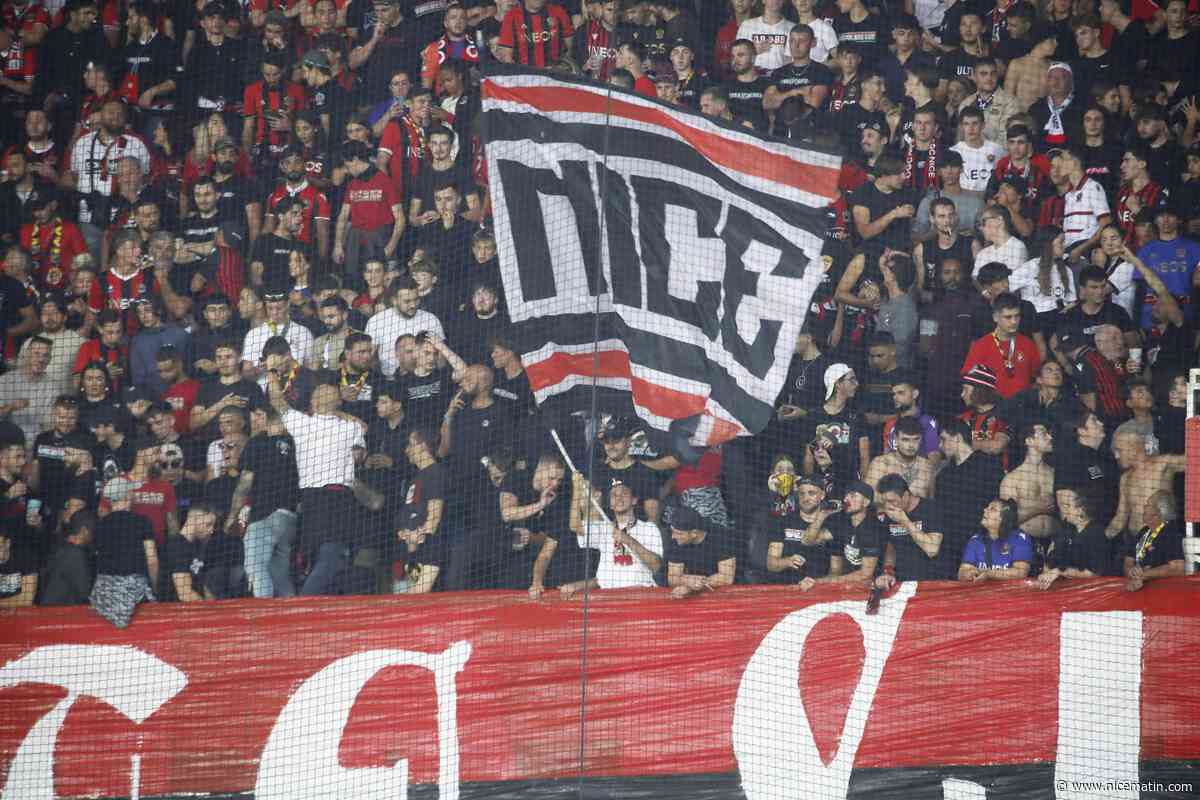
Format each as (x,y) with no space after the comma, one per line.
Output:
(757,30)
(825,40)
(1011,254)
(1124,291)
(978,163)
(1024,283)
(298,338)
(621,568)
(1082,209)
(387,326)
(324,448)
(95,162)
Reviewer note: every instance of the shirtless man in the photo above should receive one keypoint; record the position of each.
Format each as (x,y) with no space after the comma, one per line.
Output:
(1031,485)
(1144,475)
(1026,76)
(906,461)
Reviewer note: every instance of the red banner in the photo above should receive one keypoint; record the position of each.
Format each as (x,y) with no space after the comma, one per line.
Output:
(360,697)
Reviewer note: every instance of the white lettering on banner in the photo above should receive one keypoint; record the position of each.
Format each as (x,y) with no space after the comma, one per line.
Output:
(1099,705)
(133,682)
(958,789)
(772,735)
(300,758)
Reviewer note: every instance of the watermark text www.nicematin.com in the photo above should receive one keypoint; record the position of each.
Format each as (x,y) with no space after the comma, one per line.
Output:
(1120,786)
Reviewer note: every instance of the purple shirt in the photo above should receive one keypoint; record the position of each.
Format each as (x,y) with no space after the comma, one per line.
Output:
(929,434)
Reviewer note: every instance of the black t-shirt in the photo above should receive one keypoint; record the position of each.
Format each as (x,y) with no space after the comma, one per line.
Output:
(789,529)
(119,544)
(898,233)
(183,557)
(212,391)
(850,121)
(426,398)
(1156,547)
(871,36)
(1075,320)
(427,485)
(272,459)
(705,557)
(333,100)
(854,543)
(644,481)
(274,252)
(19,563)
(428,180)
(1087,549)
(844,430)
(790,76)
(13,298)
(49,448)
(554,520)
(1093,471)
(963,491)
(746,100)
(112,462)
(383,439)
(912,564)
(516,391)
(475,433)
(956,64)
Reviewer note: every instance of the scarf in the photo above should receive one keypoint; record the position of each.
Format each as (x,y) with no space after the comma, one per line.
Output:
(357,384)
(1054,126)
(1146,542)
(910,158)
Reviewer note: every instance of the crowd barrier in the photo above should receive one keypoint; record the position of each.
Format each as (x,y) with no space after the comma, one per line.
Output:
(759,692)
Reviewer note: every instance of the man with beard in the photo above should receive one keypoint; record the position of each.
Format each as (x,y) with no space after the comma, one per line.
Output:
(1080,549)
(329,346)
(948,326)
(839,449)
(428,545)
(447,237)
(358,380)
(143,350)
(1144,475)
(214,66)
(906,396)
(483,320)
(1045,401)
(746,89)
(797,540)
(404,317)
(65,342)
(93,166)
(237,199)
(906,460)
(313,227)
(265,105)
(619,465)
(277,325)
(52,241)
(858,540)
(594,46)
(186,556)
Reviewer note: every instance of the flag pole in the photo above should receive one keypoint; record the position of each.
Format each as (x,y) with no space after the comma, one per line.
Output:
(571,466)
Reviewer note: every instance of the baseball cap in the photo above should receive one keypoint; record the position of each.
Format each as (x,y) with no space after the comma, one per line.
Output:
(809,480)
(684,518)
(317,59)
(118,489)
(134,394)
(224,143)
(862,488)
(682,41)
(1060,65)
(104,415)
(980,375)
(212,10)
(616,428)
(833,374)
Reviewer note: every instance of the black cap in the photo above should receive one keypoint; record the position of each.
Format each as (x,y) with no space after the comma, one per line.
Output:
(684,518)
(212,10)
(861,488)
(616,428)
(133,394)
(951,158)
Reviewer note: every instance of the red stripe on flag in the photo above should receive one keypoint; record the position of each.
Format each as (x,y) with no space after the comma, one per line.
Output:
(736,156)
(660,400)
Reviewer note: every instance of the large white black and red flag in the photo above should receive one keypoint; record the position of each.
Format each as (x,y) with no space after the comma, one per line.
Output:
(652,251)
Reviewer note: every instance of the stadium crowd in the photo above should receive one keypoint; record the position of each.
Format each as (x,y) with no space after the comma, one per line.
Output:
(256,340)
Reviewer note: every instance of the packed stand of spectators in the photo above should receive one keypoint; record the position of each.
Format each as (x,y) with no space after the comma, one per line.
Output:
(255,338)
